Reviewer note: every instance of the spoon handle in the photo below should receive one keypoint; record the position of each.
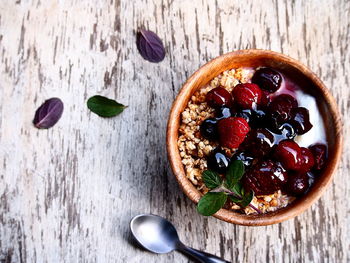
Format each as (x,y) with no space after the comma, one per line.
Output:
(202,257)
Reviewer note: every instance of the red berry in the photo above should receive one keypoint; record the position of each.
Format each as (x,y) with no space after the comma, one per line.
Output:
(258,142)
(268,79)
(265,98)
(265,177)
(232,131)
(319,151)
(308,160)
(300,120)
(219,97)
(281,106)
(247,95)
(297,184)
(289,154)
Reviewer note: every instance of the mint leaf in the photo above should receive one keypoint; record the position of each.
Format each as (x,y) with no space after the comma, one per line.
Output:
(238,189)
(211,179)
(234,173)
(211,202)
(247,199)
(235,199)
(104,107)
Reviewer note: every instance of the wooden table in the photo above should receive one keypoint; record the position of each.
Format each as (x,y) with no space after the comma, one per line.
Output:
(67,194)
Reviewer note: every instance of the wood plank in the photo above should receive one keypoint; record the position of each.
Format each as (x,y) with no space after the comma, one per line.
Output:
(67,193)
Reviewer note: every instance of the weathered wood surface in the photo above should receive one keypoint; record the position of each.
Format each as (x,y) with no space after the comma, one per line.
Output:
(67,193)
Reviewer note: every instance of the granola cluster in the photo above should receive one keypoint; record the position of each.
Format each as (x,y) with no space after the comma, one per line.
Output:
(194,148)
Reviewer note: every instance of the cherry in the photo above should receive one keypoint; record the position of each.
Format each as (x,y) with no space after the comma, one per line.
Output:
(218,161)
(289,154)
(300,120)
(265,177)
(267,79)
(308,160)
(247,95)
(319,151)
(258,142)
(297,184)
(209,129)
(281,106)
(219,97)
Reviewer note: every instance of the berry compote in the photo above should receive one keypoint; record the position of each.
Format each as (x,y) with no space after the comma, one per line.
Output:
(273,127)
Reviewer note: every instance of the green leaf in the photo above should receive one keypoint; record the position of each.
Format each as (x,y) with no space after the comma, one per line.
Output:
(211,179)
(247,199)
(238,189)
(235,199)
(104,107)
(234,173)
(211,202)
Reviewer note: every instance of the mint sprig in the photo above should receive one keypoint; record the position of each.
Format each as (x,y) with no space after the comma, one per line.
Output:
(221,189)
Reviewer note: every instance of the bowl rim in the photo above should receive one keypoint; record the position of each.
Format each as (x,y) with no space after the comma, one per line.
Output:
(282,214)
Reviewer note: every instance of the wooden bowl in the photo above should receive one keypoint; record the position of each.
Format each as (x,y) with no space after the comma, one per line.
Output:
(312,85)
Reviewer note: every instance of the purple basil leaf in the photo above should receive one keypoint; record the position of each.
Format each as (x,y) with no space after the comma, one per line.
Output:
(48,113)
(150,46)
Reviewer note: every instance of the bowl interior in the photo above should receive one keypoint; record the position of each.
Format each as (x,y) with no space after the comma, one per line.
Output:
(298,73)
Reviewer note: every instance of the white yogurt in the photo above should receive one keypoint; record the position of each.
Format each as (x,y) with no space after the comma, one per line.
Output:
(317,134)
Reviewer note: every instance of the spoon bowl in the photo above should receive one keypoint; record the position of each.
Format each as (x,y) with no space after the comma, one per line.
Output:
(158,235)
(154,233)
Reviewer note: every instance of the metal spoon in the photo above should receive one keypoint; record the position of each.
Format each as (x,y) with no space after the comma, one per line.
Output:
(158,235)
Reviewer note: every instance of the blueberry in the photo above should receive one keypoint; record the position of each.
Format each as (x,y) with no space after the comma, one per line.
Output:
(223,113)
(209,129)
(218,161)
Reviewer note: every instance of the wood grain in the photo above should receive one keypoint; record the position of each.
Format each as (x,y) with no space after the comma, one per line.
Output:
(67,193)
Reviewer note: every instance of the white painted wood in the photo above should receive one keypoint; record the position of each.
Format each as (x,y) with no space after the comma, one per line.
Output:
(67,193)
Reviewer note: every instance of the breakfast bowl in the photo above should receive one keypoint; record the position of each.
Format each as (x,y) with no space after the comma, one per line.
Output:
(297,182)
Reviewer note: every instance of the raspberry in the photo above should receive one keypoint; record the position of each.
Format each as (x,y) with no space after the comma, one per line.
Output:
(247,95)
(265,178)
(232,131)
(289,154)
(219,97)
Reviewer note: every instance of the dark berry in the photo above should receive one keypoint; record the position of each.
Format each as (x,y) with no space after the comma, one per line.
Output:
(258,142)
(246,114)
(247,95)
(300,120)
(289,154)
(287,131)
(283,132)
(232,131)
(218,161)
(259,119)
(281,106)
(209,129)
(265,177)
(244,157)
(267,79)
(319,151)
(223,112)
(297,184)
(265,99)
(219,97)
(308,160)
